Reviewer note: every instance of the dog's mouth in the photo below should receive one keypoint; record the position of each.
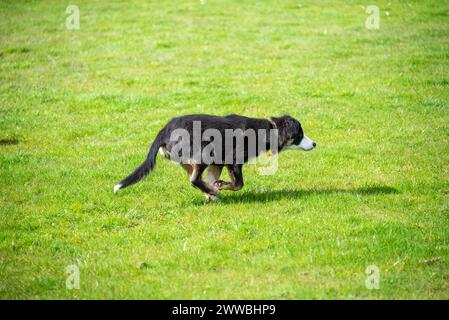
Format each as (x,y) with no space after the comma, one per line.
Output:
(306,144)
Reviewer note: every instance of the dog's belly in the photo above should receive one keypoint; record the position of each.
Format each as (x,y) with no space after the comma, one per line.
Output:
(213,155)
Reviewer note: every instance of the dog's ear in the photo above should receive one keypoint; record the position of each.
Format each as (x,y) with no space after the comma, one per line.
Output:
(286,129)
(281,121)
(287,125)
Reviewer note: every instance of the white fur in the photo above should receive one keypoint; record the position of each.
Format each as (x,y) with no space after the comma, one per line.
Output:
(211,197)
(117,187)
(306,143)
(164,152)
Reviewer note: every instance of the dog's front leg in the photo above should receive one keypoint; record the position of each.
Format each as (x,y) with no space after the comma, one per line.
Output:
(213,175)
(236,174)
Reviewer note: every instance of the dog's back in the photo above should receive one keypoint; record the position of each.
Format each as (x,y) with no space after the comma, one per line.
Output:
(199,126)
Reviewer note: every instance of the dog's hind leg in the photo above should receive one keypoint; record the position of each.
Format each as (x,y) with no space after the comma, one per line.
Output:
(197,182)
(236,174)
(188,168)
(213,174)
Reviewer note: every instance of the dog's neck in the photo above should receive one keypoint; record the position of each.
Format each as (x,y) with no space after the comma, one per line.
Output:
(281,139)
(268,145)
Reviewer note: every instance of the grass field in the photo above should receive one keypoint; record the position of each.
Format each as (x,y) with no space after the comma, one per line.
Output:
(79,110)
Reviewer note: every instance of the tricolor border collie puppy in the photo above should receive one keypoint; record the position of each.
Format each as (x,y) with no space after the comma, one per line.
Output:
(178,141)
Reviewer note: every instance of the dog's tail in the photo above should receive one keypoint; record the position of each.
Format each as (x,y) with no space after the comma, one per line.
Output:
(141,171)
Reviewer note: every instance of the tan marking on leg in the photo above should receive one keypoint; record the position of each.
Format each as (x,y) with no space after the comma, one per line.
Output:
(225,185)
(188,168)
(213,174)
(194,172)
(197,182)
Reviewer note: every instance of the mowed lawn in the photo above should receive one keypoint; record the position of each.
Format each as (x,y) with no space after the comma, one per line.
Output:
(79,110)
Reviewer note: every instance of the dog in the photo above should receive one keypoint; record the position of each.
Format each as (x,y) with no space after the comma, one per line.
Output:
(180,147)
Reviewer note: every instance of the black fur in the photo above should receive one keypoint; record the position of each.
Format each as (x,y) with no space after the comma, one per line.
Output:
(289,132)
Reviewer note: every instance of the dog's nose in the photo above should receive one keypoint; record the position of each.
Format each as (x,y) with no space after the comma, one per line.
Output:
(314,144)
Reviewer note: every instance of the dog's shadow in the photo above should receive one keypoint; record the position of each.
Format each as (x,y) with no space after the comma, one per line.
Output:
(274,195)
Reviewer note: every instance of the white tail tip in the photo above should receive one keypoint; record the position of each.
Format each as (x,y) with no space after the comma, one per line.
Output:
(117,187)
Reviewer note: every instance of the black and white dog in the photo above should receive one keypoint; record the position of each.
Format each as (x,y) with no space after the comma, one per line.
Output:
(200,142)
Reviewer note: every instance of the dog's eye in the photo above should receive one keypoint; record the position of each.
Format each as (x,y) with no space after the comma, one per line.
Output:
(298,139)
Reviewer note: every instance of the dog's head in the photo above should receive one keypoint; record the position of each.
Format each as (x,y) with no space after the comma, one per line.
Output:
(291,135)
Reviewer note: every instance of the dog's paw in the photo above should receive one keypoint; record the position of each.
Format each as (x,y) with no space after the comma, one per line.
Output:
(211,197)
(219,184)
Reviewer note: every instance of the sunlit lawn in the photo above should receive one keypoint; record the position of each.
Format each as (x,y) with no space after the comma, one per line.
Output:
(79,110)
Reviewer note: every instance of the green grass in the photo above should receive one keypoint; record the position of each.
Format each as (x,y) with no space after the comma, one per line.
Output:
(79,109)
